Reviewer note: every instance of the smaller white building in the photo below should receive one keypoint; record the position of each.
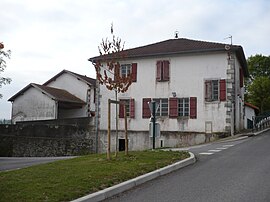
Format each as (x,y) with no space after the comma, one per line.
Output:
(250,113)
(66,95)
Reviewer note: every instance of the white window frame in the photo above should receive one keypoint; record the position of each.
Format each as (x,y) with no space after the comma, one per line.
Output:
(183,107)
(163,109)
(125,70)
(215,89)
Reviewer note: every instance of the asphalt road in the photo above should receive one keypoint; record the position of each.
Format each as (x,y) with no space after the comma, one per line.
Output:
(229,171)
(13,163)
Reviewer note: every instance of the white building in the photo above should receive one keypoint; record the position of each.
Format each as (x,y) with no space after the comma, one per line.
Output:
(66,95)
(250,113)
(198,86)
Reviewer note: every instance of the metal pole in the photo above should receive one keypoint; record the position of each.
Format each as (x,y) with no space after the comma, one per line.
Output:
(126,134)
(109,131)
(116,125)
(154,122)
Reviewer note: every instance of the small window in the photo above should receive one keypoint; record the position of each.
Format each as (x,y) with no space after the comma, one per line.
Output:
(163,106)
(183,107)
(125,70)
(130,107)
(215,90)
(163,70)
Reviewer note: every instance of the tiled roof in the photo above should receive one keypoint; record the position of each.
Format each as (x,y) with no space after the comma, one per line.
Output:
(82,77)
(252,106)
(180,46)
(55,93)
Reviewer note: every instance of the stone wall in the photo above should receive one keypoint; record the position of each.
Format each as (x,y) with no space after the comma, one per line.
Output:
(48,138)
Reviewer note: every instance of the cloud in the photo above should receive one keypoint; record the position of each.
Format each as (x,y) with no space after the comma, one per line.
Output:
(46,37)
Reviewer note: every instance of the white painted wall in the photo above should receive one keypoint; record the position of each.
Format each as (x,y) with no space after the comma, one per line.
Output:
(33,105)
(79,89)
(187,75)
(249,114)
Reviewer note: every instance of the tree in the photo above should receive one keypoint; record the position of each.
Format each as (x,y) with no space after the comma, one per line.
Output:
(259,93)
(3,55)
(258,84)
(108,71)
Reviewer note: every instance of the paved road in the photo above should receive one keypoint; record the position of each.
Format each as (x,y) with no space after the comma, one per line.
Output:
(12,163)
(240,171)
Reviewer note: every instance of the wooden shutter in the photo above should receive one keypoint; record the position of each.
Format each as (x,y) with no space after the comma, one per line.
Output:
(193,107)
(146,112)
(208,90)
(173,107)
(116,72)
(222,90)
(159,71)
(134,72)
(241,75)
(132,108)
(166,70)
(121,109)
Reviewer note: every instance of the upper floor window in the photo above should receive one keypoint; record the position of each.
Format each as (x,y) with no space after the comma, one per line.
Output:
(163,70)
(125,70)
(215,90)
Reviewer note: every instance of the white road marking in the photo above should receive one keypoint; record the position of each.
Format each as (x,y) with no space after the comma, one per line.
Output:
(214,150)
(221,148)
(228,145)
(205,153)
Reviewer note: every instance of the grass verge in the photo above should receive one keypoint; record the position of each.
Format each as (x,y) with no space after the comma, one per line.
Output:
(66,180)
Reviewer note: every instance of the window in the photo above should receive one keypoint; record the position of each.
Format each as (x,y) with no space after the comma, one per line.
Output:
(183,107)
(163,106)
(163,70)
(128,69)
(125,70)
(130,107)
(215,90)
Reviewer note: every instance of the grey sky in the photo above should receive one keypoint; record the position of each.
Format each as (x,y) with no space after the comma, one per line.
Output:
(48,36)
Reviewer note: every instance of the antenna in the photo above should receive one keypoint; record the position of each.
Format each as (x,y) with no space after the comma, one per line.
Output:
(176,34)
(229,37)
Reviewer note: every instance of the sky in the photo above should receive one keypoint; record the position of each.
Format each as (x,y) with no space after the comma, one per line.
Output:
(47,36)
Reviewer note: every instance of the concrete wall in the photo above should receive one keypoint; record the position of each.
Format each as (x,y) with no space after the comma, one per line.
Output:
(187,76)
(48,138)
(33,105)
(140,140)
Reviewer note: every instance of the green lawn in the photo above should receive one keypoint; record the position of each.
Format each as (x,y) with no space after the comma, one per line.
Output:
(66,180)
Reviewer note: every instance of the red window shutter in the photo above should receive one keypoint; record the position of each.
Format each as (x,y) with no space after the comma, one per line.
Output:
(193,107)
(134,72)
(132,108)
(208,90)
(159,70)
(241,75)
(222,90)
(166,70)
(173,110)
(121,109)
(116,72)
(146,112)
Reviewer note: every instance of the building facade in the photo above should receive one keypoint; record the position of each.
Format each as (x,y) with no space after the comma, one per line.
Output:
(197,85)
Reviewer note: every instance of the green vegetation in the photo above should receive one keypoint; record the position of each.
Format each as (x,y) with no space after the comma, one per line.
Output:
(70,179)
(258,83)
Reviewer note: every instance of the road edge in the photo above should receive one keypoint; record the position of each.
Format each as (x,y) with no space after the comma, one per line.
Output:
(124,186)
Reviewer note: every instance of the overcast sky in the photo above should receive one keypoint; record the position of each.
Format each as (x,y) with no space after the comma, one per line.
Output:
(48,36)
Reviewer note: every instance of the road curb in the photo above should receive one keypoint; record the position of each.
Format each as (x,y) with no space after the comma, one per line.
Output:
(124,186)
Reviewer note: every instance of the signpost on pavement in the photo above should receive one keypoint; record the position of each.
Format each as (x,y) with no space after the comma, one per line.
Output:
(153,108)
